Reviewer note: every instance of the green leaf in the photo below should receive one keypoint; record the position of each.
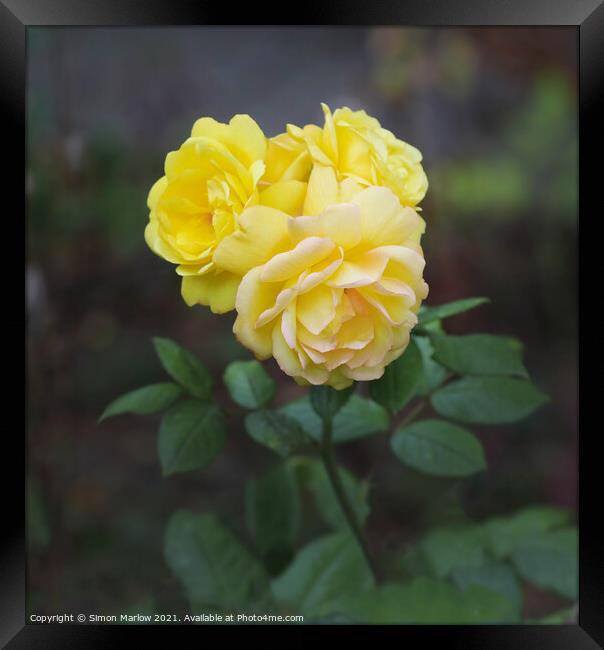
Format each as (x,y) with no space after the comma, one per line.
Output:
(550,561)
(360,417)
(327,401)
(447,548)
(429,314)
(425,600)
(321,573)
(315,479)
(191,434)
(440,448)
(276,431)
(488,400)
(433,373)
(504,534)
(184,367)
(433,327)
(249,384)
(144,401)
(400,380)
(213,566)
(479,354)
(496,576)
(272,508)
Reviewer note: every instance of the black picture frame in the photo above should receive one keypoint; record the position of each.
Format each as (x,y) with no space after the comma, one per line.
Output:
(17,15)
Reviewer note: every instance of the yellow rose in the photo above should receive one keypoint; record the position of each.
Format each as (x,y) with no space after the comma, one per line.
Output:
(288,166)
(358,148)
(333,297)
(207,183)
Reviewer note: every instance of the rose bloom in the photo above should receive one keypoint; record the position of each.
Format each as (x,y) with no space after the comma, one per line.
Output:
(356,147)
(211,179)
(222,169)
(334,296)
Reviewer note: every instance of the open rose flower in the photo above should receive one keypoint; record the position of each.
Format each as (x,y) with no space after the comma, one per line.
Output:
(211,179)
(356,147)
(333,297)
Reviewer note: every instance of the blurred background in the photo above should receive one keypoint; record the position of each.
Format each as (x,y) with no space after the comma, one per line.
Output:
(494,112)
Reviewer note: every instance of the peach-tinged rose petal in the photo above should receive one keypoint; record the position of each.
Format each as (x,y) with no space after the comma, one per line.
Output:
(359,304)
(336,358)
(320,343)
(355,333)
(314,355)
(345,309)
(373,353)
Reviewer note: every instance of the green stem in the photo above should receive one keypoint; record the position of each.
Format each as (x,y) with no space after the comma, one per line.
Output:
(413,413)
(342,497)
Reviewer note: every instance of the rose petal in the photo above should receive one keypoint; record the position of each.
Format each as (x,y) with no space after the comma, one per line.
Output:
(359,271)
(287,196)
(263,233)
(316,309)
(322,190)
(290,264)
(218,290)
(342,224)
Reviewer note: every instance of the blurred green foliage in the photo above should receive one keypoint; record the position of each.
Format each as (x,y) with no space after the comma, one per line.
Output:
(534,171)
(67,201)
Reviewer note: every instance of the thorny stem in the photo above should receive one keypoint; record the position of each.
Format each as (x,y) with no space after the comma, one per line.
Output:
(338,488)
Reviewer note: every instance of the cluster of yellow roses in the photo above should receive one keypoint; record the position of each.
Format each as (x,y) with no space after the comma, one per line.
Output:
(312,236)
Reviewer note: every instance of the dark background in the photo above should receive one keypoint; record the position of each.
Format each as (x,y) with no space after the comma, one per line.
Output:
(494,112)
